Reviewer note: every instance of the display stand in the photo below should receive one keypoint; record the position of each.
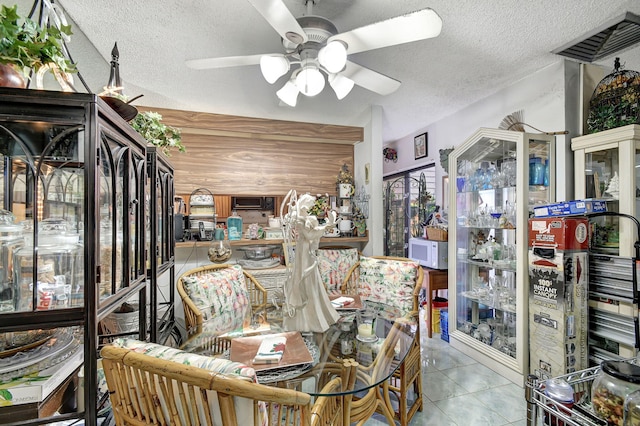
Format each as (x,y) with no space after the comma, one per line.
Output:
(202,214)
(345,209)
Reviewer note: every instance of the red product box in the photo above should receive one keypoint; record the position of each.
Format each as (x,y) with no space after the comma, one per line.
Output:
(558,296)
(561,233)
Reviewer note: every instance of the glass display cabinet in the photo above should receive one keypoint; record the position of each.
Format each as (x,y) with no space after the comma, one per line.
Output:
(160,245)
(73,191)
(602,161)
(606,167)
(501,176)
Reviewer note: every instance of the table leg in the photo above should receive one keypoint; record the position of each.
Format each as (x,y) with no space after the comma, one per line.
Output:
(429,308)
(349,370)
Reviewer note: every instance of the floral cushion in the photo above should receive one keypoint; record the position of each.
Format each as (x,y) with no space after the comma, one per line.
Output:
(388,282)
(219,365)
(221,296)
(236,370)
(334,264)
(197,295)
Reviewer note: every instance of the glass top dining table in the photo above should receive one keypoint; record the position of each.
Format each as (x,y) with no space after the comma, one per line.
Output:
(363,362)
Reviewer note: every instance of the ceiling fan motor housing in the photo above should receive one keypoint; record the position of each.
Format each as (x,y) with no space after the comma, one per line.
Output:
(317,28)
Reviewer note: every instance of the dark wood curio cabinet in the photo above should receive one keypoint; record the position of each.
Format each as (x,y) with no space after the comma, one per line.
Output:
(72,243)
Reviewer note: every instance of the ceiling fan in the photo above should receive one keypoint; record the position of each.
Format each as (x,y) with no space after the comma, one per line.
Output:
(313,47)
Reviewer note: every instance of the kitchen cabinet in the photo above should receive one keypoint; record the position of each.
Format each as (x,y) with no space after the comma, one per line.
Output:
(223,206)
(74,177)
(501,176)
(601,162)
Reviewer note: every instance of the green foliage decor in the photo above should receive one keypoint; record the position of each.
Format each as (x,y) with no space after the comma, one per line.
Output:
(28,46)
(149,125)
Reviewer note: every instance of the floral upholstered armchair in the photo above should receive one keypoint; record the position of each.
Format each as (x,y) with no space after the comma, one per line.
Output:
(334,263)
(219,299)
(391,286)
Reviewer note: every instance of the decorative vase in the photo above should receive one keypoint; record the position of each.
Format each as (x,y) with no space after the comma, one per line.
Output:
(9,77)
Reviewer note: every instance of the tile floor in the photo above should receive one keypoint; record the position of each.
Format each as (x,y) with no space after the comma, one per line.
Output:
(458,391)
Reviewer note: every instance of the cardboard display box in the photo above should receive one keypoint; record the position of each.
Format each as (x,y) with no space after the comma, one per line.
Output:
(558,295)
(570,208)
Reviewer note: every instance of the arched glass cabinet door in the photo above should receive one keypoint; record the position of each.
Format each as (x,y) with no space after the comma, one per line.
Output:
(46,271)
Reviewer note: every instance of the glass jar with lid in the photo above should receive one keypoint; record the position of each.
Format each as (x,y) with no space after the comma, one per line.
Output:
(615,381)
(10,240)
(57,263)
(632,409)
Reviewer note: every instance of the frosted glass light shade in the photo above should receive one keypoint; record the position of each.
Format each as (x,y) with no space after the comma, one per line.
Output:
(333,56)
(273,67)
(340,84)
(310,81)
(288,94)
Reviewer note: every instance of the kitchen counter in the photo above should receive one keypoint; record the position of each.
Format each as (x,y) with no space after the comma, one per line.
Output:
(246,242)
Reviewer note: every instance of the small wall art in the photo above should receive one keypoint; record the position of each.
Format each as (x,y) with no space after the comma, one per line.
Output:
(420,146)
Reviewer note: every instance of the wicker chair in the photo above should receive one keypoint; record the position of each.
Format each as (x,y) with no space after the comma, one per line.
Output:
(334,263)
(194,317)
(149,391)
(407,375)
(328,411)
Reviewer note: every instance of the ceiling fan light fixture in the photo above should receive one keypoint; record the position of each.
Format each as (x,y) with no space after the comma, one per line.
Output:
(273,67)
(341,85)
(333,56)
(288,94)
(310,80)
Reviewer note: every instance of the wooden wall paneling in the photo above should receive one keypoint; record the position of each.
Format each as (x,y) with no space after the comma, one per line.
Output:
(229,165)
(234,155)
(257,128)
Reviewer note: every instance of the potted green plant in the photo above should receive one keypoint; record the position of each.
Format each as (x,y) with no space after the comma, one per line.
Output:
(150,126)
(26,46)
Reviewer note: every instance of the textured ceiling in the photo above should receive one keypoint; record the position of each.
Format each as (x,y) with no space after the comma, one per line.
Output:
(484,46)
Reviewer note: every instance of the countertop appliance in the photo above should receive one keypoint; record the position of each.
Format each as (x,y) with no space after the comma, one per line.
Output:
(252,203)
(432,254)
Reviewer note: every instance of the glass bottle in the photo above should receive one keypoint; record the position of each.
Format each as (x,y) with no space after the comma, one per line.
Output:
(234,226)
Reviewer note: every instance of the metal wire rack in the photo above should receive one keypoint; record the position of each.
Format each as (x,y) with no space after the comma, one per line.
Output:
(542,410)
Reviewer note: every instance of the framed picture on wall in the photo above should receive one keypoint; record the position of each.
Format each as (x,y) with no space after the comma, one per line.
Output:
(420,145)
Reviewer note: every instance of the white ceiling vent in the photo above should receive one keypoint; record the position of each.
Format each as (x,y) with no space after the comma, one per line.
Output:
(612,37)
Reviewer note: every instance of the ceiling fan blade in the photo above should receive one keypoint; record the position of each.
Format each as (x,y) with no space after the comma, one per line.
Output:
(414,26)
(370,79)
(281,19)
(229,61)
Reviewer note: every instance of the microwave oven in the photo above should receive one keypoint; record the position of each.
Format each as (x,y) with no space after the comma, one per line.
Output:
(431,254)
(252,203)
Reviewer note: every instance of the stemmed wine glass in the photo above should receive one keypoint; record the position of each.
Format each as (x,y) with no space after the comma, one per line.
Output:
(496,214)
